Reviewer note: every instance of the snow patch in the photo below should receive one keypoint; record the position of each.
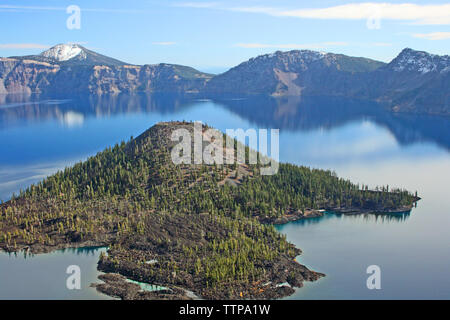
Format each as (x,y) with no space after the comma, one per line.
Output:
(63,52)
(419,61)
(300,56)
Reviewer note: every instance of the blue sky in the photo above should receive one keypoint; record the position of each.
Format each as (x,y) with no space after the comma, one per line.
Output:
(215,35)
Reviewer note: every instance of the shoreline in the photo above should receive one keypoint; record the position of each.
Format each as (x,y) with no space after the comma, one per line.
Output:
(317,213)
(115,284)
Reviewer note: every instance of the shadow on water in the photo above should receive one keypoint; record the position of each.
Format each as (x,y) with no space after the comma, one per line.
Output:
(311,113)
(83,251)
(378,217)
(86,251)
(366,217)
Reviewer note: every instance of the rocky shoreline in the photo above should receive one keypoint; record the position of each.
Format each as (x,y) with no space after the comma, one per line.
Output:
(115,284)
(175,262)
(356,211)
(119,286)
(279,286)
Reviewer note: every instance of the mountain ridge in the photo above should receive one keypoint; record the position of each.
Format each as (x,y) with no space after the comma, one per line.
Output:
(413,82)
(75,69)
(292,72)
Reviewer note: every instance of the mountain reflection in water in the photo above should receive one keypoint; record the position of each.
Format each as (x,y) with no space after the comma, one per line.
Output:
(289,113)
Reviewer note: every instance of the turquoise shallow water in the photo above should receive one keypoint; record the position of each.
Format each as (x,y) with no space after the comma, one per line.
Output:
(358,140)
(147,287)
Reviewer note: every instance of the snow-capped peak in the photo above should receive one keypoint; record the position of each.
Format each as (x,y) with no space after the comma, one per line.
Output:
(420,61)
(63,52)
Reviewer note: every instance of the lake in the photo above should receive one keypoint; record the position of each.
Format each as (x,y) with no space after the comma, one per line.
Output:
(44,276)
(359,140)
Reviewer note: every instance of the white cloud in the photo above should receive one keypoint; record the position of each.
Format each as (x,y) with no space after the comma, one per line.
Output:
(319,45)
(415,13)
(433,35)
(420,14)
(23,46)
(164,43)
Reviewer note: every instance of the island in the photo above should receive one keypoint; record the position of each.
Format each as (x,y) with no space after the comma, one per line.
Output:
(196,230)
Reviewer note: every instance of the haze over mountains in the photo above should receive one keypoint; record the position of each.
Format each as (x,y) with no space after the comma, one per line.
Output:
(415,81)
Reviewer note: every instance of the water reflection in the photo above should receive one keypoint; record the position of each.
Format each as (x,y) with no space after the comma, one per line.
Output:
(311,113)
(85,251)
(378,217)
(19,109)
(365,217)
(289,113)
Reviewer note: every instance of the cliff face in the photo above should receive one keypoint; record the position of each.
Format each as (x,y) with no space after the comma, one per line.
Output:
(30,76)
(71,68)
(25,76)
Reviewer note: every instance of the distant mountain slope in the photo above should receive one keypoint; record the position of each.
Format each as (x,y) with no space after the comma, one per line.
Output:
(432,97)
(415,81)
(294,72)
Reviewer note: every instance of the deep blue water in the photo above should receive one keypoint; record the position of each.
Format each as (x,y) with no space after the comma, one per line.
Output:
(360,141)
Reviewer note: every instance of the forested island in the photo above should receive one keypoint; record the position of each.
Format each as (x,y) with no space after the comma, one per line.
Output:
(204,229)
